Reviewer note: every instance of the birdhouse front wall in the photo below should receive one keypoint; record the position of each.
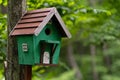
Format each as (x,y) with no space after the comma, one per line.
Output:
(47,40)
(35,49)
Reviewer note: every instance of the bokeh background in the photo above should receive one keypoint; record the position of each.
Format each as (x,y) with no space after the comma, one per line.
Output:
(93,52)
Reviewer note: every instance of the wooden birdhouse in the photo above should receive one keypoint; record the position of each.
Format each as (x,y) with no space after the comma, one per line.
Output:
(38,35)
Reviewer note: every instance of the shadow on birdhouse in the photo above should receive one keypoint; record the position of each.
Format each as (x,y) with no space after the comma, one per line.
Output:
(38,35)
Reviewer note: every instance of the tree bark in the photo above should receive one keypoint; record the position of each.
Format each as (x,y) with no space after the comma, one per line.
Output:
(3,9)
(14,71)
(100,1)
(106,57)
(72,61)
(92,2)
(93,62)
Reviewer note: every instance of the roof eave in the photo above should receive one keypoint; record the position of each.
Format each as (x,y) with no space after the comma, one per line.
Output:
(62,24)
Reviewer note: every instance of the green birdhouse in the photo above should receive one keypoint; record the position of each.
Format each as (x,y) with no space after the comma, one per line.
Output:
(38,35)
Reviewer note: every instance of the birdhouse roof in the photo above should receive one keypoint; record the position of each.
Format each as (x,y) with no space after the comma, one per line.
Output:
(32,22)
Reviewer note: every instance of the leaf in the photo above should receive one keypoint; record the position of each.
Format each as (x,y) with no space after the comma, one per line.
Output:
(0,1)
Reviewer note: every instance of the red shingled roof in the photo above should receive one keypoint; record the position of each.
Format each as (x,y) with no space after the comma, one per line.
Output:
(34,21)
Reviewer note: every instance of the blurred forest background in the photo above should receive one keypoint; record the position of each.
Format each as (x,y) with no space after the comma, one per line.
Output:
(93,52)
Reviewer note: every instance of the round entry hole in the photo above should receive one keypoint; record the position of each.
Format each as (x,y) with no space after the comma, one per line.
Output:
(47,31)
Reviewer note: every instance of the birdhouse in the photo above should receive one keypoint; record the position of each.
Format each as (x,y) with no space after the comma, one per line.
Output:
(38,35)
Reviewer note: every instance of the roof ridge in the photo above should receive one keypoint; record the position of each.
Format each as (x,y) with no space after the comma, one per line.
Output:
(45,21)
(36,23)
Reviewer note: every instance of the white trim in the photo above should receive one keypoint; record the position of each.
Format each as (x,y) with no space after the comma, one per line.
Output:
(62,23)
(45,21)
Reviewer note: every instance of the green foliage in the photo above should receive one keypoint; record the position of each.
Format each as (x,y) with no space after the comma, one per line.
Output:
(88,25)
(1,76)
(3,42)
(3,36)
(69,75)
(109,77)
(51,72)
(3,2)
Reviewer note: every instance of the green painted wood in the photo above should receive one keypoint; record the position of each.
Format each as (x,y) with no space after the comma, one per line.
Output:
(53,48)
(48,40)
(55,58)
(25,57)
(53,37)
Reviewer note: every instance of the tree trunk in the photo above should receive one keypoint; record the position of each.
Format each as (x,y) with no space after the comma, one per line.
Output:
(92,2)
(14,71)
(107,58)
(3,9)
(72,61)
(100,1)
(93,62)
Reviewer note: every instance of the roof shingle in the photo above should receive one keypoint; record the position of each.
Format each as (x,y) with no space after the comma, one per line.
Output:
(34,21)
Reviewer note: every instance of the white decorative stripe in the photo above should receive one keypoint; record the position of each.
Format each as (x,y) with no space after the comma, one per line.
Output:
(46,20)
